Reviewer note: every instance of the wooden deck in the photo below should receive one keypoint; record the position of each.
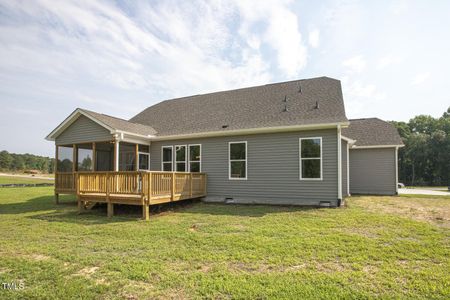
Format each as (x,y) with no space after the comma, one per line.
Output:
(134,188)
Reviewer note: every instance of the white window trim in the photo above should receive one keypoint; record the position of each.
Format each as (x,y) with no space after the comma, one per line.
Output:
(189,157)
(229,161)
(180,161)
(300,158)
(162,158)
(138,160)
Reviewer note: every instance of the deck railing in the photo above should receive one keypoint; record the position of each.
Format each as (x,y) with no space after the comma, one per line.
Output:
(65,182)
(155,187)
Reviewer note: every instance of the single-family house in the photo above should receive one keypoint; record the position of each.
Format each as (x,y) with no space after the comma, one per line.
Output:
(287,143)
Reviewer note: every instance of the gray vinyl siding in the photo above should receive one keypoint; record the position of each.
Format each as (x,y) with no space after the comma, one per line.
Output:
(344,168)
(372,171)
(272,168)
(83,130)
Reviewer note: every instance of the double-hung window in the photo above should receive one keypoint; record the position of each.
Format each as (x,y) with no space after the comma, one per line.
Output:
(237,158)
(311,158)
(167,158)
(180,158)
(195,158)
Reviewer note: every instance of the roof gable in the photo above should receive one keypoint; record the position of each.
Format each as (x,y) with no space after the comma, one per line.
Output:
(112,124)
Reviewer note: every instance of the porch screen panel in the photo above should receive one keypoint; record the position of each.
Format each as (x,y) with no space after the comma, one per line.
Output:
(85,158)
(65,159)
(127,157)
(105,156)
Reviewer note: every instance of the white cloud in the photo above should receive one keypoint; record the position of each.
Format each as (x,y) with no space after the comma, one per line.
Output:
(388,60)
(355,64)
(420,78)
(279,30)
(314,38)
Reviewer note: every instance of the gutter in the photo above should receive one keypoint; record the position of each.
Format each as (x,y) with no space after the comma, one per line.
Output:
(250,131)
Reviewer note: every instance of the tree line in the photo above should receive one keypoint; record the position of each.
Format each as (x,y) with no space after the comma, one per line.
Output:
(425,159)
(22,162)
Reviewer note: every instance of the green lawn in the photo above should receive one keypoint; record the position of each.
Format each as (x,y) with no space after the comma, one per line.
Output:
(389,247)
(20,180)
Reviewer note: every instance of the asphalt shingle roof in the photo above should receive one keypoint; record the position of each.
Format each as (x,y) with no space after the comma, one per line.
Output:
(253,107)
(372,132)
(121,124)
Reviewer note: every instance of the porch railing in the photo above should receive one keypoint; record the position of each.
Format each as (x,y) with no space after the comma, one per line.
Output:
(65,182)
(149,185)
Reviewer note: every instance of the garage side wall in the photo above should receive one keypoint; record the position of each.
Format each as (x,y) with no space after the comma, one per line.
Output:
(372,171)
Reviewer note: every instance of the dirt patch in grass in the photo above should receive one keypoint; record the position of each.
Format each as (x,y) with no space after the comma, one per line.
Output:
(87,272)
(40,257)
(432,210)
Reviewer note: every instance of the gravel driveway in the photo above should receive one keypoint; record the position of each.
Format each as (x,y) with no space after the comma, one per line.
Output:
(422,192)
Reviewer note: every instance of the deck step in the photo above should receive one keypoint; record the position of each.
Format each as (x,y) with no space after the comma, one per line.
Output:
(89,205)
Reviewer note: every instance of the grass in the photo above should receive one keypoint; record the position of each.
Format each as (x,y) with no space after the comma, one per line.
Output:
(388,247)
(22,180)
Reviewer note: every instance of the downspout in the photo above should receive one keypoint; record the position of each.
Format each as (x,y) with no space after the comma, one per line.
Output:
(339,150)
(396,170)
(348,170)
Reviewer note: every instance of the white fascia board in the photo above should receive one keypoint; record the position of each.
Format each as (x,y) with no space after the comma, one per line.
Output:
(376,146)
(250,131)
(146,137)
(72,118)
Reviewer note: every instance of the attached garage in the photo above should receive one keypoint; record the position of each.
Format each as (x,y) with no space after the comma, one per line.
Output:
(372,171)
(372,160)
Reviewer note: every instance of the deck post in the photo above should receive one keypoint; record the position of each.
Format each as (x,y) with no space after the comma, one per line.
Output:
(80,205)
(110,209)
(190,185)
(172,190)
(145,212)
(56,198)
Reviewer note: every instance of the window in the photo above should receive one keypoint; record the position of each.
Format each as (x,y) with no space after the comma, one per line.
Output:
(167,158)
(237,168)
(180,158)
(144,161)
(195,158)
(311,158)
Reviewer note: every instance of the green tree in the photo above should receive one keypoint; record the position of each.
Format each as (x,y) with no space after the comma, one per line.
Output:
(5,160)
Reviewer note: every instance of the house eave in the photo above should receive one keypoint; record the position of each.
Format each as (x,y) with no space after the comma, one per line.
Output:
(251,131)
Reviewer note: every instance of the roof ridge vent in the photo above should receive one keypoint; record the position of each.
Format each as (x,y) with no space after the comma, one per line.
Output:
(285,108)
(317,105)
(300,88)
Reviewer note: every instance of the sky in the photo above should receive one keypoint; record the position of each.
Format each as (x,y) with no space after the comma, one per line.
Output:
(119,57)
